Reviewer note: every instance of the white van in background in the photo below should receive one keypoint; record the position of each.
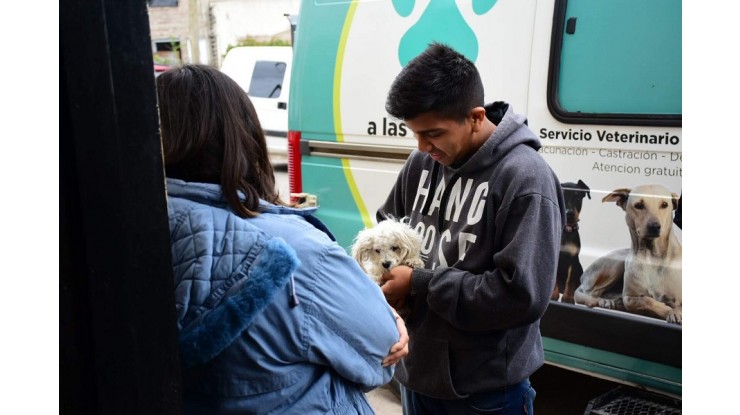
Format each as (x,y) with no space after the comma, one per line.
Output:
(264,72)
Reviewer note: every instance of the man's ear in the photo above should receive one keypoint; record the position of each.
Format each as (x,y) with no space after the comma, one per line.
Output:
(477,115)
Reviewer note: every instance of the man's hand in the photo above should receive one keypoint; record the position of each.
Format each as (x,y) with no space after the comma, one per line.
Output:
(400,349)
(396,285)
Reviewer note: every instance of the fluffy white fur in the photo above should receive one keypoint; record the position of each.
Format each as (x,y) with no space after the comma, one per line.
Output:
(386,245)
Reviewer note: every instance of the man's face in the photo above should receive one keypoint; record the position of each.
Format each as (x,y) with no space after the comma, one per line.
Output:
(445,140)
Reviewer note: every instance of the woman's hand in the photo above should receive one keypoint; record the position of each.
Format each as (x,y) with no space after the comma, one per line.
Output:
(400,349)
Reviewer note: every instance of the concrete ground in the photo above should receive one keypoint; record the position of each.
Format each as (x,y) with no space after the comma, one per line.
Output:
(384,401)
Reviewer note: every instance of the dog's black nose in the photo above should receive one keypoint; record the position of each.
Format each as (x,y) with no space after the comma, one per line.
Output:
(386,264)
(653,229)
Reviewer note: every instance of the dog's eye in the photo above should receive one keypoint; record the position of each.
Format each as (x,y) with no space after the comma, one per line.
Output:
(394,248)
(377,251)
(664,205)
(639,205)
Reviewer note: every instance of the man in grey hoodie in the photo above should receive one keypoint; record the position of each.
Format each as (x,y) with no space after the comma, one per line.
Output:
(491,213)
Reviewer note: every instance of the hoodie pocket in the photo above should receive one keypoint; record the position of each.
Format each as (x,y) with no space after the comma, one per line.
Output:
(428,368)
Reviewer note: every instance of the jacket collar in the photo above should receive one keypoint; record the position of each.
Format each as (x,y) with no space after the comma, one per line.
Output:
(210,193)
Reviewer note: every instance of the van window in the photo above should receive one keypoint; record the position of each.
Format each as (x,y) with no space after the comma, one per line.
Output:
(267,79)
(616,59)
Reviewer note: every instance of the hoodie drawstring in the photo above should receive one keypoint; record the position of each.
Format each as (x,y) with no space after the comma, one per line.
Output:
(432,189)
(445,195)
(443,202)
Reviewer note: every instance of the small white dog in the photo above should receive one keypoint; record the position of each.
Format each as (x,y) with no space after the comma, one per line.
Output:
(388,244)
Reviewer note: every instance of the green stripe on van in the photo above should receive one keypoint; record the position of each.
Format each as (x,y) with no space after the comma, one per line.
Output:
(318,51)
(366,220)
(612,365)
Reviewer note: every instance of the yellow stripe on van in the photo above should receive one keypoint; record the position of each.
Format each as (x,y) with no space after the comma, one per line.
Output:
(366,220)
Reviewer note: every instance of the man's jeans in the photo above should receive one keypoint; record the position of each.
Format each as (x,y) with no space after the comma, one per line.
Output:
(515,399)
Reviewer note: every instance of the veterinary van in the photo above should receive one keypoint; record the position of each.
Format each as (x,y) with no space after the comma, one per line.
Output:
(264,72)
(600,84)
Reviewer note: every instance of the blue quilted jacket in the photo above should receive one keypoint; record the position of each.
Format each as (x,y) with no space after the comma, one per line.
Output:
(274,317)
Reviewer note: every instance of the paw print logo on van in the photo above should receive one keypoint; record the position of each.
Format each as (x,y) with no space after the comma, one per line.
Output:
(441,22)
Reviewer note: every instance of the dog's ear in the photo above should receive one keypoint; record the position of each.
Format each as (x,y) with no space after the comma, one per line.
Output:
(585,188)
(361,248)
(619,195)
(411,241)
(674,199)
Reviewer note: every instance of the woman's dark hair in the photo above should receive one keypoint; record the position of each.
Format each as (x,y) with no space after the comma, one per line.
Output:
(439,80)
(211,134)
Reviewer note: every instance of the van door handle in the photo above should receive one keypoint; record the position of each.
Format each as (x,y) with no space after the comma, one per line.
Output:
(282,105)
(570,27)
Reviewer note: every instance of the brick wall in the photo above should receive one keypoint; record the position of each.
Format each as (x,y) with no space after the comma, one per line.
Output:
(190,27)
(172,23)
(165,22)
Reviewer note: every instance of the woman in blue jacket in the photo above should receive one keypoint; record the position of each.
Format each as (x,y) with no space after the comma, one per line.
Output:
(274,317)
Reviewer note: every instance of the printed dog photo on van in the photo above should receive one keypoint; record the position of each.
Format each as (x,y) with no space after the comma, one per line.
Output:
(569,271)
(645,278)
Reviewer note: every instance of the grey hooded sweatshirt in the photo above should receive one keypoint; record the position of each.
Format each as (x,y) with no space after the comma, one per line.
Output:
(491,231)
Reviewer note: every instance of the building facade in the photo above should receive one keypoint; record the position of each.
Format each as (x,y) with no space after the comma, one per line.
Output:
(201,31)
